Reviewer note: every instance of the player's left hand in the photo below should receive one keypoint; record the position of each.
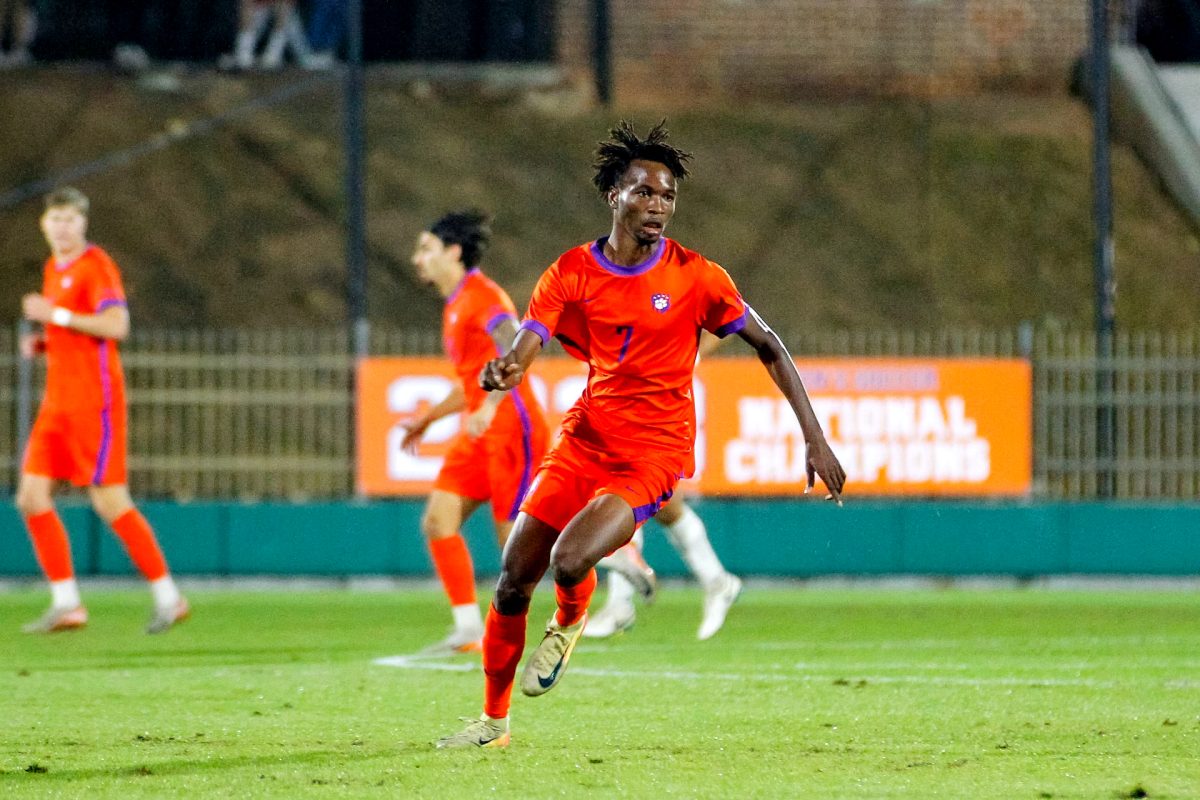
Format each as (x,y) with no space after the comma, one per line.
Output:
(820,460)
(479,420)
(36,307)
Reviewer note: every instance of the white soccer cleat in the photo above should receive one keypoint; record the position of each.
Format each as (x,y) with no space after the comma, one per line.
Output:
(610,620)
(629,562)
(548,662)
(459,641)
(58,619)
(164,619)
(717,602)
(478,733)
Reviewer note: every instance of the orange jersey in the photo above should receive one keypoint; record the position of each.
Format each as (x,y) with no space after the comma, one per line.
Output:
(83,373)
(473,310)
(638,328)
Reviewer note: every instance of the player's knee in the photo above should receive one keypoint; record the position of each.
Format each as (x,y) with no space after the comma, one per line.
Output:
(436,526)
(510,598)
(30,502)
(569,565)
(110,506)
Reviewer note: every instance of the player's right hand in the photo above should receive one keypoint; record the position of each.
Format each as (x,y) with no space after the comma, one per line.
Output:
(500,375)
(32,345)
(414,431)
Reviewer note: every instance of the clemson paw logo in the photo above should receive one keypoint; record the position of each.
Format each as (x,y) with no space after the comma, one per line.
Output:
(661,302)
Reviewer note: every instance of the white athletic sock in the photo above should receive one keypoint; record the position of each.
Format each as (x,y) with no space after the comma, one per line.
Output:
(467,617)
(165,592)
(65,594)
(689,537)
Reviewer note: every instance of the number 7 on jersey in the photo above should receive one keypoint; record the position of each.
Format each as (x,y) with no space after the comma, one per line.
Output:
(628,331)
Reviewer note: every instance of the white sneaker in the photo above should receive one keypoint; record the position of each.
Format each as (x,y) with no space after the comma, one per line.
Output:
(164,619)
(459,641)
(548,662)
(629,562)
(610,620)
(717,602)
(58,619)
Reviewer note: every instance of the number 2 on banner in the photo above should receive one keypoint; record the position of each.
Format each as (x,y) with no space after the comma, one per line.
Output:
(628,331)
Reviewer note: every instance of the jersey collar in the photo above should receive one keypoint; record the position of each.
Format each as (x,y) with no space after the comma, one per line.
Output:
(457,289)
(597,249)
(66,265)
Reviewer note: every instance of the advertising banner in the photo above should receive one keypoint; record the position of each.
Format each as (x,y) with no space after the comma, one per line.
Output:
(914,427)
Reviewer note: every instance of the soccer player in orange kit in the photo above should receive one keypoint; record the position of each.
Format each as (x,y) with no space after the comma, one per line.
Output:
(642,300)
(505,433)
(79,434)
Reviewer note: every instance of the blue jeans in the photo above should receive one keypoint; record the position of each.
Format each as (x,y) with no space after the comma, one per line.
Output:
(326,24)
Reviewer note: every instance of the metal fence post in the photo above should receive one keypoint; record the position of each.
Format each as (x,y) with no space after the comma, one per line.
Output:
(24,404)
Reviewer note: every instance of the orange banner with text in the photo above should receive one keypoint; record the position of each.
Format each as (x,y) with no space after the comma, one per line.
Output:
(915,427)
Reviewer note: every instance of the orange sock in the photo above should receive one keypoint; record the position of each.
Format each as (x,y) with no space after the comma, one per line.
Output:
(503,641)
(140,543)
(51,545)
(573,601)
(452,561)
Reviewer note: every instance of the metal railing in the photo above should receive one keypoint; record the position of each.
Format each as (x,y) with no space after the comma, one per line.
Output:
(269,414)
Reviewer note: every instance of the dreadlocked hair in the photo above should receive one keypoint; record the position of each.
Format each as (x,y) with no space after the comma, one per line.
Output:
(470,229)
(624,146)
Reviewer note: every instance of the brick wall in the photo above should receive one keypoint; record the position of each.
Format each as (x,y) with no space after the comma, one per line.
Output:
(765,48)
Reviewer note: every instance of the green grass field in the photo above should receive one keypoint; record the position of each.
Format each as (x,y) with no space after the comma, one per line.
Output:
(857,693)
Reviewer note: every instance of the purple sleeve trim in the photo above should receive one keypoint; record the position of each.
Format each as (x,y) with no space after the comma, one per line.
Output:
(110,302)
(732,327)
(538,328)
(495,321)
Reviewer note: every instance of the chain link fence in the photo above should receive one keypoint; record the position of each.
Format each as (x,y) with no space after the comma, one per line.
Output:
(270,414)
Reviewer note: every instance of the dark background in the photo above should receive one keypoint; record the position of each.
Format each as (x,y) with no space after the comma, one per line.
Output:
(393,30)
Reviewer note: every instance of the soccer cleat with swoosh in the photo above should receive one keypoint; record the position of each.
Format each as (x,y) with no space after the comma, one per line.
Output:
(548,662)
(478,733)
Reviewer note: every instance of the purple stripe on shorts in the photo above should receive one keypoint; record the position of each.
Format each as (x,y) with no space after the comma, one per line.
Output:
(527,447)
(110,302)
(538,328)
(495,321)
(105,416)
(732,327)
(643,513)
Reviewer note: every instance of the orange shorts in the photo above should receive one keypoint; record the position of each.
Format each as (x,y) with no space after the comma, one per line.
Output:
(500,465)
(574,473)
(86,448)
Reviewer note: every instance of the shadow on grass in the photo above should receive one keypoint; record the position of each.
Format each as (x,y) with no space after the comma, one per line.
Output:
(39,774)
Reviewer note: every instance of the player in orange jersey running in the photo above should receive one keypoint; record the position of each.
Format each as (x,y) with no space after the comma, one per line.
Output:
(642,300)
(79,434)
(504,434)
(629,574)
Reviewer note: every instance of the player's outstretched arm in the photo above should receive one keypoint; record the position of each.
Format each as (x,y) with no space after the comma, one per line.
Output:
(111,323)
(507,371)
(414,429)
(819,457)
